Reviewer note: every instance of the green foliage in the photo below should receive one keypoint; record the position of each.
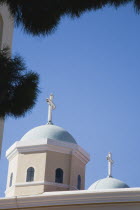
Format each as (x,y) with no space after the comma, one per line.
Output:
(18,87)
(42,17)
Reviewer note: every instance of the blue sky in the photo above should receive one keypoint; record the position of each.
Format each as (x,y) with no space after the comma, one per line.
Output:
(92,65)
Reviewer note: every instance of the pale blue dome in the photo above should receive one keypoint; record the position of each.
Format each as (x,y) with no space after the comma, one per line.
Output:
(108,183)
(48,132)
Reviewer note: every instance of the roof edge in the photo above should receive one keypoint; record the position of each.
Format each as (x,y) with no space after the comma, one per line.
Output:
(62,198)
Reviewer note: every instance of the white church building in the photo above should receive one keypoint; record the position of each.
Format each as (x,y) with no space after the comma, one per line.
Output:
(47,167)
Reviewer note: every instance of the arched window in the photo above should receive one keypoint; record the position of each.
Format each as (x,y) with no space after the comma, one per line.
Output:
(11,180)
(30,174)
(59,175)
(79,182)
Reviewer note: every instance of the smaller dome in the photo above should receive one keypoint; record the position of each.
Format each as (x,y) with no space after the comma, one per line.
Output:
(108,183)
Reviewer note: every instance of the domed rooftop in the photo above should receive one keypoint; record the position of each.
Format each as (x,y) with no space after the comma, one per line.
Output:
(48,131)
(108,183)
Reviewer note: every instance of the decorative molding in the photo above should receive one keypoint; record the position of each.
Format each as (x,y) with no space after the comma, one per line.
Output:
(57,184)
(12,151)
(80,156)
(23,184)
(73,188)
(81,197)
(51,145)
(9,189)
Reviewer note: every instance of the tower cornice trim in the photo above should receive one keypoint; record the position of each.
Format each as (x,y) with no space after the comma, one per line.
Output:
(52,145)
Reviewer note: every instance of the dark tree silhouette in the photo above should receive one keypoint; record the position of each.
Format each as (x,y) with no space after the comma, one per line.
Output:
(18,87)
(42,17)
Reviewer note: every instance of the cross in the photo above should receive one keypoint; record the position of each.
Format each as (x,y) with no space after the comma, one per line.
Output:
(51,106)
(110,163)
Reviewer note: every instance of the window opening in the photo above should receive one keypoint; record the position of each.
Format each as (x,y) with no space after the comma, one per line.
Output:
(79,182)
(30,174)
(59,175)
(11,180)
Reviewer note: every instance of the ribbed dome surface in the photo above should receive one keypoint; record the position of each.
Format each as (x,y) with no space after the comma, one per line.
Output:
(108,183)
(48,132)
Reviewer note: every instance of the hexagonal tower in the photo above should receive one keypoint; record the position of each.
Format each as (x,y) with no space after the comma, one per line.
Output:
(6,32)
(47,158)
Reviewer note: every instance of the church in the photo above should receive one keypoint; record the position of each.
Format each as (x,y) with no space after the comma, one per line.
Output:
(47,167)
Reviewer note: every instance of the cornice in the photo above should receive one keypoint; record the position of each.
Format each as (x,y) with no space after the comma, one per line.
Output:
(72,198)
(23,184)
(9,189)
(50,145)
(40,183)
(12,151)
(79,155)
